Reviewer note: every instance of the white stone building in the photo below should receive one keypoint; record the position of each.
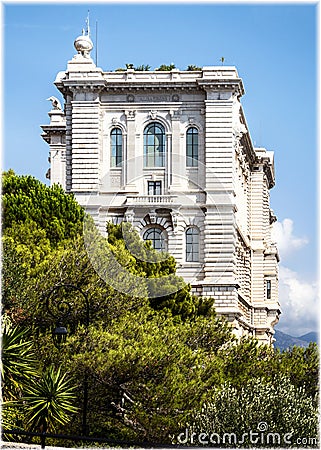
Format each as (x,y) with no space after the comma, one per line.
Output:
(170,151)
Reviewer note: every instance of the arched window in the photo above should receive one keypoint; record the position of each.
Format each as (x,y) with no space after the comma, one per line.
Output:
(192,147)
(192,244)
(116,147)
(156,236)
(154,145)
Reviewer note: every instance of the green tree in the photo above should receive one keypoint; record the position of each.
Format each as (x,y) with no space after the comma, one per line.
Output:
(149,371)
(27,199)
(150,361)
(301,365)
(276,408)
(247,359)
(137,255)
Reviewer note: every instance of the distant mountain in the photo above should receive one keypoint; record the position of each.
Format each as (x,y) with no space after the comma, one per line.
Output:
(284,341)
(310,337)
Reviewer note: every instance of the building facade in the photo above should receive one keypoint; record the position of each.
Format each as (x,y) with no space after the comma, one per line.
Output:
(170,152)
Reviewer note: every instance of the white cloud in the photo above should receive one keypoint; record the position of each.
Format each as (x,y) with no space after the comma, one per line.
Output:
(282,234)
(299,301)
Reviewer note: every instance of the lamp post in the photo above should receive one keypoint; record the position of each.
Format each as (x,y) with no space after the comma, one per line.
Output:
(59,308)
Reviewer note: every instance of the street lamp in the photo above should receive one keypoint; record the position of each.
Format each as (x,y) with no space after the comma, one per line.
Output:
(60,309)
(59,335)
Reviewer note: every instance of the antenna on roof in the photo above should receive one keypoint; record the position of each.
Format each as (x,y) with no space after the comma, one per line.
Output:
(222,60)
(96,42)
(87,23)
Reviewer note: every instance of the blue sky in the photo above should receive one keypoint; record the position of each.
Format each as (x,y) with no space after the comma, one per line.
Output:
(274,49)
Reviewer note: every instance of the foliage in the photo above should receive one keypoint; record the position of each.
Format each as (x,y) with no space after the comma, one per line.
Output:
(30,399)
(18,361)
(163,67)
(142,68)
(246,359)
(144,368)
(301,366)
(27,199)
(49,401)
(140,258)
(151,361)
(166,67)
(193,68)
(231,414)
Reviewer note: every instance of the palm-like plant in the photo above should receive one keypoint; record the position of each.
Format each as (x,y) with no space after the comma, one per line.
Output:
(18,360)
(49,401)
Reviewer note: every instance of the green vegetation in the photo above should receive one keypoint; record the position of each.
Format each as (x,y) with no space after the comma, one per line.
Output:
(49,401)
(283,412)
(162,67)
(154,366)
(166,67)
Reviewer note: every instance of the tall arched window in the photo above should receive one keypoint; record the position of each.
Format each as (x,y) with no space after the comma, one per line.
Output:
(116,147)
(156,236)
(192,244)
(154,145)
(192,147)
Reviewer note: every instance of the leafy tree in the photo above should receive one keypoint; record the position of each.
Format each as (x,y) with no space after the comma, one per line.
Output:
(150,361)
(301,366)
(247,359)
(281,411)
(27,199)
(149,371)
(140,258)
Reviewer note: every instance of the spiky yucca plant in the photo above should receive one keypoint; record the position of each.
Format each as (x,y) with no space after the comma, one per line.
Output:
(18,362)
(49,401)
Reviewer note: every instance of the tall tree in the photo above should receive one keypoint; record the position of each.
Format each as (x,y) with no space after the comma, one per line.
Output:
(27,199)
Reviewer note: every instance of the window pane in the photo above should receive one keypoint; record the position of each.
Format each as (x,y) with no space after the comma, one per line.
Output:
(192,147)
(154,187)
(192,244)
(116,147)
(156,236)
(154,145)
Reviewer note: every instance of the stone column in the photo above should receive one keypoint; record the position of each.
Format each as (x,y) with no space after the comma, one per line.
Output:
(131,169)
(85,141)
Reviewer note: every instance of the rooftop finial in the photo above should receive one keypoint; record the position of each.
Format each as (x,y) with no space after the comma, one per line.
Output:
(83,43)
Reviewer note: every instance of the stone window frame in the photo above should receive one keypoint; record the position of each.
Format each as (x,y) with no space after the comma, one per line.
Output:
(268,289)
(162,233)
(116,159)
(154,155)
(192,160)
(193,244)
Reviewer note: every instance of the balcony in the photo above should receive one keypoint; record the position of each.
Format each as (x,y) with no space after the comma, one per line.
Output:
(151,200)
